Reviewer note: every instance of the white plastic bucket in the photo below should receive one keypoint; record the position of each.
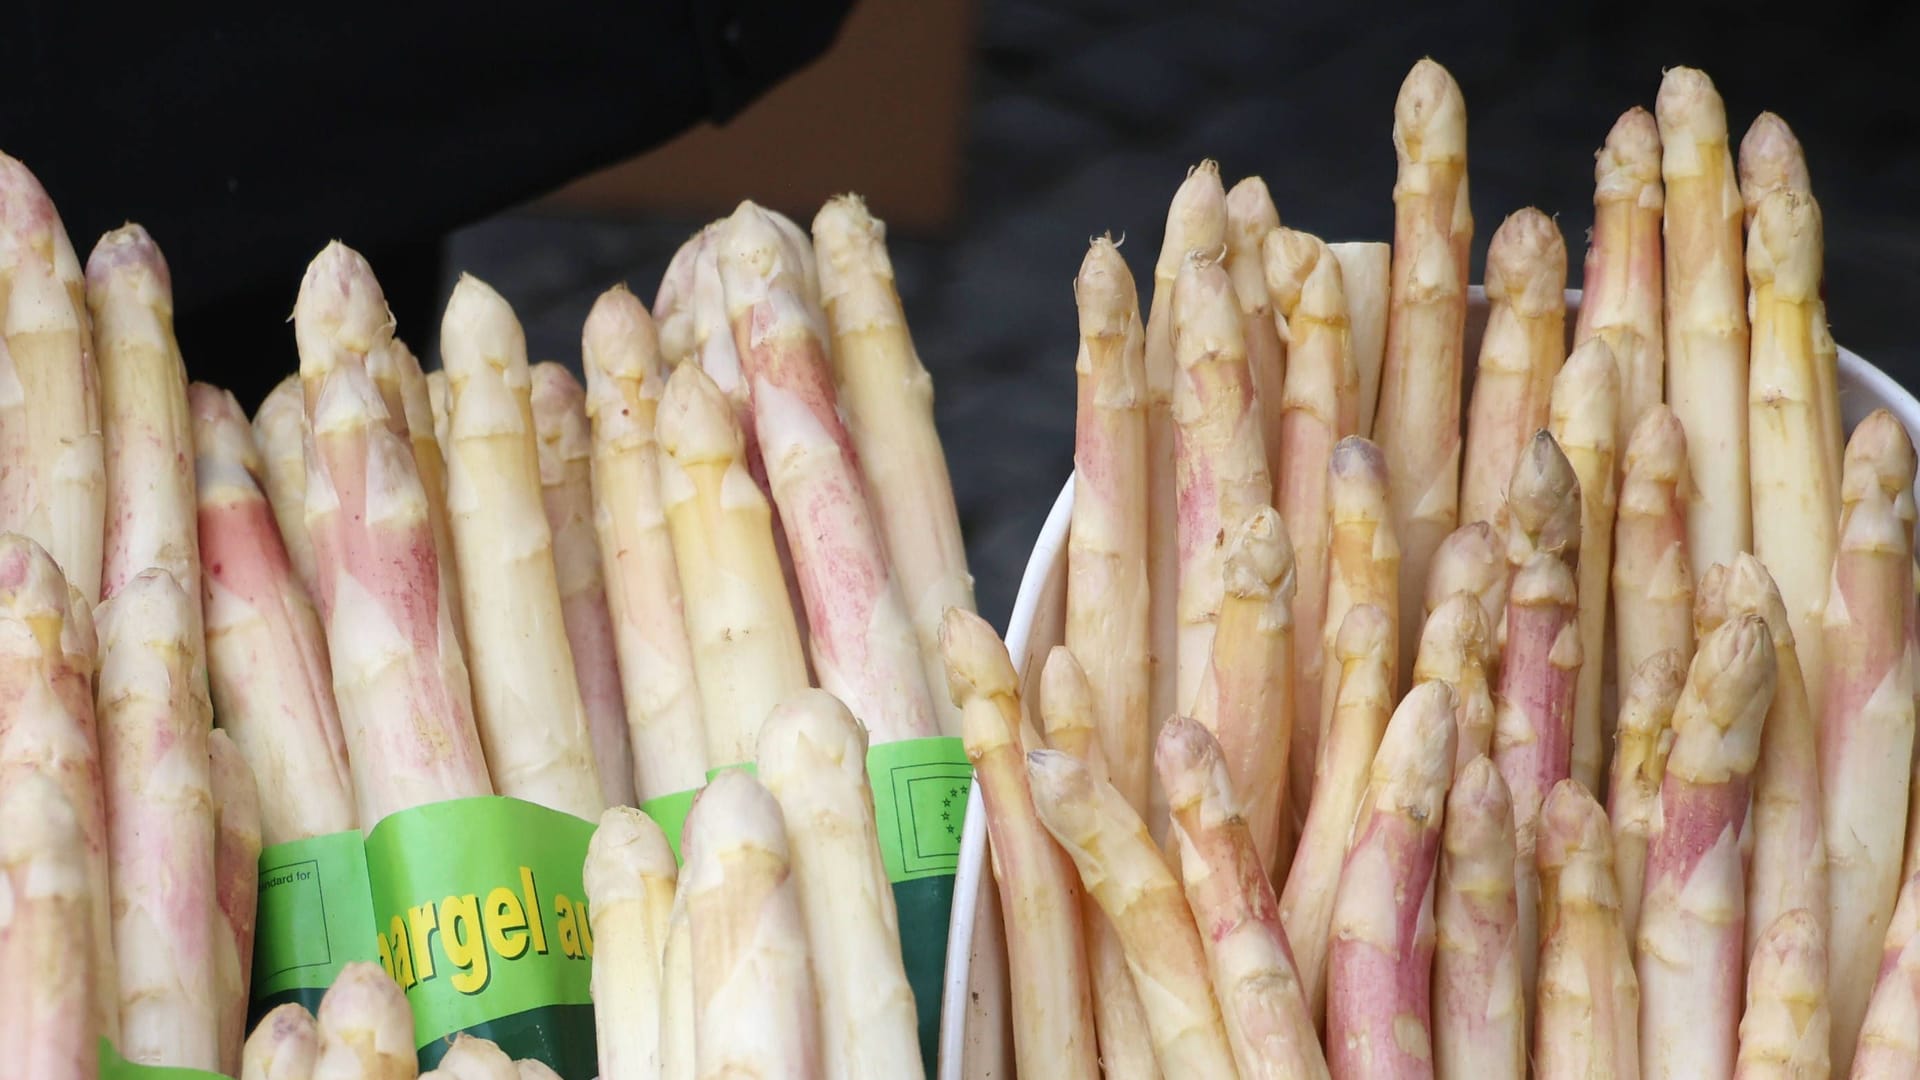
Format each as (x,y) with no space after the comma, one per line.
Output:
(975,1031)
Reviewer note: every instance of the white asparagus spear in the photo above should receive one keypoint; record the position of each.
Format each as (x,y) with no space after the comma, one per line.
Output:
(755,1010)
(566,492)
(1363,558)
(1588,1023)
(627,850)
(46,961)
(437,402)
(525,696)
(1652,574)
(813,758)
(473,1058)
(1520,353)
(47,661)
(1785,1030)
(1643,739)
(1107,561)
(1122,867)
(1796,500)
(409,401)
(148,432)
(746,646)
(1706,318)
(280,429)
(366,1028)
(1250,218)
(54,489)
(399,675)
(888,398)
(677,1036)
(1418,421)
(1196,221)
(236,868)
(283,1046)
(1366,269)
(1053,1030)
(1586,399)
(673,301)
(154,720)
(860,636)
(1261,1001)
(266,652)
(1621,299)
(625,382)
(1479,1013)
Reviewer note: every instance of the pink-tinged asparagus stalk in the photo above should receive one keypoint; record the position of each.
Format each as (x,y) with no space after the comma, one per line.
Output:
(1108,599)
(1787,868)
(888,398)
(154,719)
(1366,270)
(1796,499)
(1380,963)
(1418,421)
(625,382)
(1621,297)
(1473,560)
(1866,732)
(266,652)
(1245,699)
(1652,573)
(1454,650)
(526,699)
(755,1011)
(1363,558)
(1693,904)
(399,676)
(1261,1000)
(746,646)
(1068,713)
(813,758)
(1251,217)
(566,492)
(1642,740)
(1196,221)
(1479,1014)
(1588,1023)
(1706,320)
(1521,352)
(1533,718)
(148,433)
(236,868)
(46,961)
(366,1028)
(673,302)
(1221,462)
(409,400)
(1363,704)
(54,488)
(861,637)
(280,430)
(1318,410)
(627,852)
(47,660)
(283,1046)
(1122,867)
(1586,399)
(1771,161)
(1888,1045)
(1785,1030)
(1053,1030)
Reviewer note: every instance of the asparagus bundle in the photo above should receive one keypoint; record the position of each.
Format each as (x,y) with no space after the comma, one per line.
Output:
(526,699)
(54,487)
(566,492)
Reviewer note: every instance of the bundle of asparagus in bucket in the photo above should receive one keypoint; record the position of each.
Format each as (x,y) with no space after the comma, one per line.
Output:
(1559,721)
(442,625)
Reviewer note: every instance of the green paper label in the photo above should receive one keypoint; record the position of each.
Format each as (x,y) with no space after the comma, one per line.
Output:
(315,916)
(670,813)
(920,803)
(115,1067)
(480,911)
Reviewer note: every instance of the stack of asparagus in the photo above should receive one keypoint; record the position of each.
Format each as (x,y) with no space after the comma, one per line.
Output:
(1414,808)
(364,1029)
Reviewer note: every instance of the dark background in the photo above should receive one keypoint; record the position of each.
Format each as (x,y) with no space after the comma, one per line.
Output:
(1084,115)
